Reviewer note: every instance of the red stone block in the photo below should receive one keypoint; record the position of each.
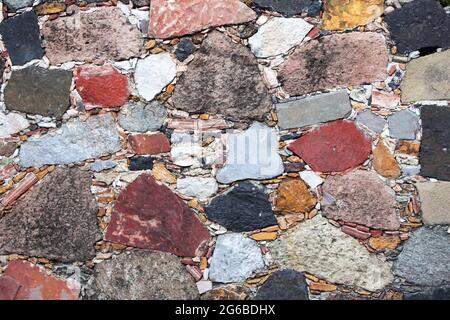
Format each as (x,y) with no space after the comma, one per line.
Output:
(333,147)
(149,215)
(355,232)
(101,86)
(149,143)
(24,281)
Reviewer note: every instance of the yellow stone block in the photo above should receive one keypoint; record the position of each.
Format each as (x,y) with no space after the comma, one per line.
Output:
(348,14)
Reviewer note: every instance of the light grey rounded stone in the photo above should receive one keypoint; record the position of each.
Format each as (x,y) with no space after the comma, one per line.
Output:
(435,202)
(141,117)
(403,124)
(76,141)
(235,258)
(198,187)
(371,121)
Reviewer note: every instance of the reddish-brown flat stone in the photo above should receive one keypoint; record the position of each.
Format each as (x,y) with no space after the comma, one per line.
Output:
(333,147)
(101,87)
(149,215)
(176,18)
(24,281)
(360,197)
(338,60)
(149,143)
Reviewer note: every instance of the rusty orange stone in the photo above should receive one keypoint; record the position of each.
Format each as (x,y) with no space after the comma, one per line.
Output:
(388,242)
(384,162)
(408,147)
(324,287)
(24,281)
(293,196)
(348,14)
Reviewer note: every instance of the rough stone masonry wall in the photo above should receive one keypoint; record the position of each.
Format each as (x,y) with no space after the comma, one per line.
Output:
(266,149)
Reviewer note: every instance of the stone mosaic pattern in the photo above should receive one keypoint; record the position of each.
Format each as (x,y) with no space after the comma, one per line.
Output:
(218,150)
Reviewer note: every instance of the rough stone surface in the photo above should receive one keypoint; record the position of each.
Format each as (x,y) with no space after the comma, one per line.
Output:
(99,166)
(94,137)
(317,247)
(350,198)
(184,49)
(141,163)
(149,215)
(246,207)
(170,19)
(12,123)
(284,285)
(198,187)
(81,37)
(403,124)
(149,143)
(293,196)
(422,266)
(419,24)
(251,155)
(341,15)
(318,64)
(434,153)
(434,201)
(153,74)
(371,121)
(223,79)
(24,281)
(312,110)
(7,148)
(427,78)
(48,221)
(141,117)
(101,86)
(37,90)
(278,35)
(17,4)
(21,37)
(235,258)
(384,162)
(289,7)
(333,147)
(143,275)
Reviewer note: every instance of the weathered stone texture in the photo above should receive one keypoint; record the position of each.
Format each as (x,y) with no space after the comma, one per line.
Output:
(434,202)
(419,24)
(350,198)
(141,117)
(427,78)
(143,275)
(317,247)
(319,64)
(284,285)
(434,153)
(235,258)
(348,14)
(403,124)
(36,90)
(251,155)
(422,266)
(278,35)
(176,18)
(20,34)
(384,161)
(333,147)
(81,37)
(312,110)
(49,221)
(289,7)
(149,215)
(223,79)
(293,196)
(245,207)
(24,281)
(94,137)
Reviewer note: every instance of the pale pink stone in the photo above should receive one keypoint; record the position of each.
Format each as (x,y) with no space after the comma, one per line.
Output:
(200,125)
(385,99)
(176,18)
